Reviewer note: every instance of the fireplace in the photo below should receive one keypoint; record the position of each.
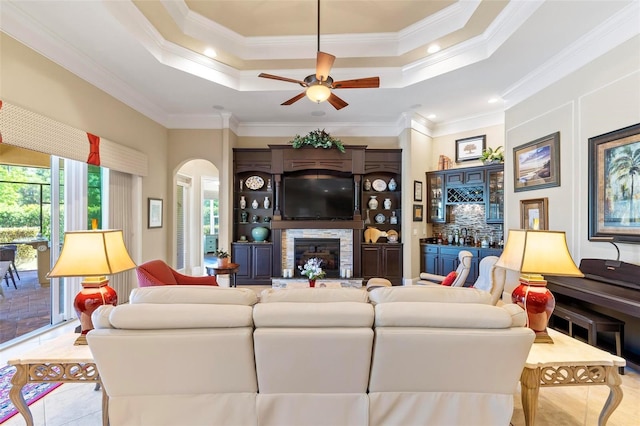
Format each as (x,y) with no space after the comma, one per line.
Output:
(325,249)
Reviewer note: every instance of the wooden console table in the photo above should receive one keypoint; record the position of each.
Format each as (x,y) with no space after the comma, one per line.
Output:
(55,361)
(569,362)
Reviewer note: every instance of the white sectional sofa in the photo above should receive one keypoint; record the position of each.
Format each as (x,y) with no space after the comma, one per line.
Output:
(393,356)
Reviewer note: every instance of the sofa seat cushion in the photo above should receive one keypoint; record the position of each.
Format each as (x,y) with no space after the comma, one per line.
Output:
(299,314)
(198,294)
(443,315)
(435,293)
(314,295)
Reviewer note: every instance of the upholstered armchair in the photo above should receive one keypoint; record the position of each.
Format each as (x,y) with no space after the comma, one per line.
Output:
(461,273)
(491,278)
(157,272)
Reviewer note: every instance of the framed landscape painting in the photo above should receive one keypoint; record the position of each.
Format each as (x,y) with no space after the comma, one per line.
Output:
(614,185)
(536,164)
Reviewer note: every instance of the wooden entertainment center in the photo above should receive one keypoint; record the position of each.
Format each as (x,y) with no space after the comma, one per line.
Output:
(265,170)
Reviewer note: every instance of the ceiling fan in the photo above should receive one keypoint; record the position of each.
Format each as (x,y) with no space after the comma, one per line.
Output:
(319,85)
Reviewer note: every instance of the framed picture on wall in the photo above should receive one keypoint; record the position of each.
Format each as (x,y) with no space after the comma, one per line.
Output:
(418,212)
(614,185)
(536,164)
(534,214)
(155,213)
(470,148)
(417,190)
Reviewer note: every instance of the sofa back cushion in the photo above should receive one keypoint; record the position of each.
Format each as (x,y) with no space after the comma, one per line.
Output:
(197,294)
(314,295)
(428,294)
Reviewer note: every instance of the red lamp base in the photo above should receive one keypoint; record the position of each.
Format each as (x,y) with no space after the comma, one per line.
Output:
(95,293)
(534,297)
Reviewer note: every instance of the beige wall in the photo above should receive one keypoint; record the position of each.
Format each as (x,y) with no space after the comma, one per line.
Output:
(446,145)
(415,163)
(31,81)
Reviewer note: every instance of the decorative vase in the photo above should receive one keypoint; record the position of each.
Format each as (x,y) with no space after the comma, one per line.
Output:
(268,184)
(243,217)
(393,219)
(392,185)
(243,202)
(266,203)
(255,204)
(373,202)
(312,282)
(259,233)
(387,203)
(538,302)
(367,185)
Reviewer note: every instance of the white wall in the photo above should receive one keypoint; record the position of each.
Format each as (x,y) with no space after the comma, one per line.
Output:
(599,98)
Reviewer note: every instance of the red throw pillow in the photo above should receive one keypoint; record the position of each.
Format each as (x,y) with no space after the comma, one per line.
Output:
(449,279)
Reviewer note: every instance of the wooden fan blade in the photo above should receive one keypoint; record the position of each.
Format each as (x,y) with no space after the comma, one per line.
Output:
(358,83)
(296,98)
(324,62)
(276,77)
(336,102)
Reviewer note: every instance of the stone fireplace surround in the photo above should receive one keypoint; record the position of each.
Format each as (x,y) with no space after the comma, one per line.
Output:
(344,235)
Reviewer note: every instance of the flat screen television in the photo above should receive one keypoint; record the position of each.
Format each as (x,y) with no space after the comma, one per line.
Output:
(318,197)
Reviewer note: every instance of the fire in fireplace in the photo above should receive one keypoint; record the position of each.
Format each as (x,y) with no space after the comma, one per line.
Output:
(325,249)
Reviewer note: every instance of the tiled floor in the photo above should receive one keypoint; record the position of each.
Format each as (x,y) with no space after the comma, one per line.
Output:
(24,309)
(80,404)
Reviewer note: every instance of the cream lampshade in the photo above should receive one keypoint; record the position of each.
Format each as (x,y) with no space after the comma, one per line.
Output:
(93,255)
(533,253)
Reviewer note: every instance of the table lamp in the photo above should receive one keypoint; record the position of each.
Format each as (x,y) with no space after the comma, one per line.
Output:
(93,255)
(533,253)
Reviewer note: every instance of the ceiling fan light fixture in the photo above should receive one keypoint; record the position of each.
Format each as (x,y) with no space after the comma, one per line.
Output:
(318,92)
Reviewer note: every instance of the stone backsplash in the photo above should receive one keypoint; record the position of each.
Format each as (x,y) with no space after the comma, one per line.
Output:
(472,218)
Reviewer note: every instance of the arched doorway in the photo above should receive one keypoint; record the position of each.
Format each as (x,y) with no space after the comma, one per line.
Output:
(196,214)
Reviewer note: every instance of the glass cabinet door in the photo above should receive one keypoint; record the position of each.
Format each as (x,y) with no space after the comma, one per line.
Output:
(495,201)
(436,211)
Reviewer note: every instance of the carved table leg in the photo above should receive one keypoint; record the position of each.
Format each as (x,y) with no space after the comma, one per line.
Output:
(15,393)
(615,395)
(530,382)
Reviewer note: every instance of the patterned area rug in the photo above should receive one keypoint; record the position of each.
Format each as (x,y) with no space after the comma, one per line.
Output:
(31,391)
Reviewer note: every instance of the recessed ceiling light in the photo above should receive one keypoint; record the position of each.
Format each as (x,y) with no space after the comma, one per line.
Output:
(318,113)
(433,48)
(210,52)
(494,100)
(218,107)
(431,116)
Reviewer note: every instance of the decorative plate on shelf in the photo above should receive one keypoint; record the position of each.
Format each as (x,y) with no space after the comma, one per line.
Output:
(380,218)
(379,185)
(254,182)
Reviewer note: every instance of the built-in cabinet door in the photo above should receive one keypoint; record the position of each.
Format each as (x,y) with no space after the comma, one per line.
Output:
(262,261)
(241,254)
(382,261)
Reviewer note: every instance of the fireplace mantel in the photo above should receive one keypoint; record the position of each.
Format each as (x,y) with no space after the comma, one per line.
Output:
(317,224)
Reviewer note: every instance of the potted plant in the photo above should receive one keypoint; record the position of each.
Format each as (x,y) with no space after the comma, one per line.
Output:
(317,139)
(223,257)
(492,156)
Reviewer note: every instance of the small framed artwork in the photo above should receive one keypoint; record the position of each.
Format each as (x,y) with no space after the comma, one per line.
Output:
(534,214)
(614,186)
(155,213)
(418,213)
(536,164)
(470,148)
(417,190)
